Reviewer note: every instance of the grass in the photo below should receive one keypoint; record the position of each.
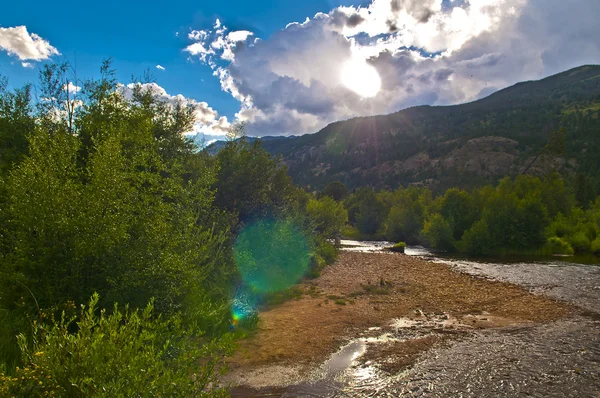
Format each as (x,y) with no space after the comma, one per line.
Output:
(382,289)
(276,298)
(398,247)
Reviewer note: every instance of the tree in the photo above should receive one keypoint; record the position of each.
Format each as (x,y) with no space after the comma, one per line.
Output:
(438,232)
(458,209)
(336,190)
(371,214)
(251,183)
(328,216)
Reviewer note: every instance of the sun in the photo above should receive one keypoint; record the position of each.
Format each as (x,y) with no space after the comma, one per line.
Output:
(361,77)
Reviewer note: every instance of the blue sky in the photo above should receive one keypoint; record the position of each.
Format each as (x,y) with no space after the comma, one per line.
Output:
(142,34)
(294,80)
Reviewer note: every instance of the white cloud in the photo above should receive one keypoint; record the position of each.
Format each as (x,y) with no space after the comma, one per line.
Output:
(28,65)
(19,42)
(425,51)
(208,121)
(71,88)
(160,67)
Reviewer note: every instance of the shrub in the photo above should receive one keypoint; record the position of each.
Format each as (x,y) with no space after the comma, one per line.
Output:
(596,246)
(559,246)
(398,247)
(350,232)
(438,232)
(478,240)
(130,353)
(328,252)
(580,242)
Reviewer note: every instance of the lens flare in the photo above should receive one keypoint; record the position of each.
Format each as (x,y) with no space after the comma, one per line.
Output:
(243,305)
(272,255)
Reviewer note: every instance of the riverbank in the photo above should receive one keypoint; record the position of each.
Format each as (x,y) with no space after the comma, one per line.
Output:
(369,295)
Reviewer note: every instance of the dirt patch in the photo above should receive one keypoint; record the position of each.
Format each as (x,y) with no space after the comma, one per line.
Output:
(396,356)
(363,290)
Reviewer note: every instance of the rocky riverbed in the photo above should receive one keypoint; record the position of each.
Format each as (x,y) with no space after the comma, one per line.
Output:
(379,324)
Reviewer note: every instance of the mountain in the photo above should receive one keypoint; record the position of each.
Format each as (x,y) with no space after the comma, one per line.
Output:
(460,145)
(216,146)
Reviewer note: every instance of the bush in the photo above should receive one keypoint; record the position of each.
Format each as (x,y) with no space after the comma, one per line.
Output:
(350,232)
(596,246)
(328,252)
(130,353)
(478,240)
(438,232)
(398,247)
(580,242)
(559,246)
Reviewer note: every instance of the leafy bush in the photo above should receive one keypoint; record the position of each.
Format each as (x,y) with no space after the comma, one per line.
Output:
(327,216)
(129,353)
(478,240)
(559,246)
(350,232)
(595,248)
(438,232)
(328,252)
(580,242)
(398,247)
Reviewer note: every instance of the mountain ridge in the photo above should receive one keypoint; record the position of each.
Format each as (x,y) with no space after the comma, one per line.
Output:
(457,145)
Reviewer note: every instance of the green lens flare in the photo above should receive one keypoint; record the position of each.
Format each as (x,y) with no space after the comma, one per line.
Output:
(272,255)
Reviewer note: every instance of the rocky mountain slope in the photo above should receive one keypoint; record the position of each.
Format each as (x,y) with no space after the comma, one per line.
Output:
(460,145)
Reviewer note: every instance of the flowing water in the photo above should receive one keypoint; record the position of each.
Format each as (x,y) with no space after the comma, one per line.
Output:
(558,359)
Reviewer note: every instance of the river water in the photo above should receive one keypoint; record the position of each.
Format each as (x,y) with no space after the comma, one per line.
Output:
(558,359)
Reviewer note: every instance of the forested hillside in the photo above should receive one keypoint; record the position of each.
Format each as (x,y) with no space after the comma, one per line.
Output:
(464,145)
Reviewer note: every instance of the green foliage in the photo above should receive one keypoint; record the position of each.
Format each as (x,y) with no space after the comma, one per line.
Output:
(327,216)
(580,242)
(438,233)
(327,251)
(595,248)
(16,122)
(560,246)
(516,216)
(251,183)
(350,232)
(126,224)
(408,208)
(398,247)
(478,240)
(371,213)
(335,190)
(458,210)
(124,353)
(281,296)
(272,255)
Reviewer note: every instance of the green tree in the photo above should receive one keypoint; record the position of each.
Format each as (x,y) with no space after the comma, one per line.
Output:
(438,232)
(251,183)
(328,216)
(457,207)
(336,190)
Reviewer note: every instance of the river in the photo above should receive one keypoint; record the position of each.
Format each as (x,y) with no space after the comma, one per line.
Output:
(556,359)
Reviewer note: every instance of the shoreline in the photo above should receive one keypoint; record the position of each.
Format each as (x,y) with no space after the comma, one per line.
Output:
(360,296)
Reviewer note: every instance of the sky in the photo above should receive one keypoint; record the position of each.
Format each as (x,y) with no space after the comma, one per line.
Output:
(292,67)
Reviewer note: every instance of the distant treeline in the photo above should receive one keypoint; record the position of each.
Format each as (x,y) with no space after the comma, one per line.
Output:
(105,203)
(523,215)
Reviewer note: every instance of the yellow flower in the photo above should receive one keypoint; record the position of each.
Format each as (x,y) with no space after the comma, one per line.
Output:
(39,353)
